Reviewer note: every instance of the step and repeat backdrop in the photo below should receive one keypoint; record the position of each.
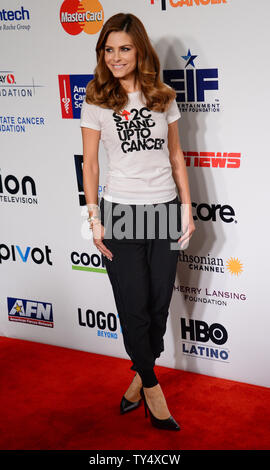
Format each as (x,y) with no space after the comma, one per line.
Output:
(54,288)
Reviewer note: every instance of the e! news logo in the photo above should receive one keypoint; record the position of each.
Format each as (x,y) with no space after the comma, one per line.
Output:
(77,16)
(30,311)
(193,85)
(187,3)
(212,159)
(72,92)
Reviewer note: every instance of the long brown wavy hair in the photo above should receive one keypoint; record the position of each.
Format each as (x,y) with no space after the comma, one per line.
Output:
(106,91)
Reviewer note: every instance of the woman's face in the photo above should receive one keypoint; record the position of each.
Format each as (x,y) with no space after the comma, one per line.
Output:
(120,54)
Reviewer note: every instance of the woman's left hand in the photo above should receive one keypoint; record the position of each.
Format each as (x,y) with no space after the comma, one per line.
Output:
(187,225)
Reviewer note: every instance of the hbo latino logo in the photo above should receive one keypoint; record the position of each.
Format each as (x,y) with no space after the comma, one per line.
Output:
(195,332)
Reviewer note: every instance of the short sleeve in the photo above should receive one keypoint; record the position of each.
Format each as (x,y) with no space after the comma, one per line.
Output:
(173,112)
(90,116)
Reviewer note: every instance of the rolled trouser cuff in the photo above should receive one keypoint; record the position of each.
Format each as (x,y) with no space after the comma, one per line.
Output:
(148,377)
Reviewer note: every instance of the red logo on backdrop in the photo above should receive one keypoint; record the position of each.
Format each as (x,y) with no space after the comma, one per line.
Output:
(81,15)
(65,93)
(10,78)
(163,4)
(213,159)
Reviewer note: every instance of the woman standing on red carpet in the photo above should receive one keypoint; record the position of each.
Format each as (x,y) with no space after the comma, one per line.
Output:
(135,115)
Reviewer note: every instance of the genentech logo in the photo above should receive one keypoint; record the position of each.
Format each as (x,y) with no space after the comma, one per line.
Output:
(186,3)
(85,15)
(72,92)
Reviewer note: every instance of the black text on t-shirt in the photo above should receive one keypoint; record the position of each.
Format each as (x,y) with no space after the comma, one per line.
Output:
(134,130)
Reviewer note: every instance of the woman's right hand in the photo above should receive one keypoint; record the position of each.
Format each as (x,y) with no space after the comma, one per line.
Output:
(98,235)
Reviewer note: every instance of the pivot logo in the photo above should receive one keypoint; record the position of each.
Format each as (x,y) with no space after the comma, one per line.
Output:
(192,85)
(187,3)
(37,255)
(30,311)
(200,332)
(85,15)
(72,90)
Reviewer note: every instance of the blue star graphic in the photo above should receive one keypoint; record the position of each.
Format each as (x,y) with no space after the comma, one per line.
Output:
(189,58)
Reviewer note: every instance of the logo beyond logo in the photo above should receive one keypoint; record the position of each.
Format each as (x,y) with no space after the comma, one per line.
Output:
(81,15)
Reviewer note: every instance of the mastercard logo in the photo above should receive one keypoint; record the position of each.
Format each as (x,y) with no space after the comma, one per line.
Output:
(81,15)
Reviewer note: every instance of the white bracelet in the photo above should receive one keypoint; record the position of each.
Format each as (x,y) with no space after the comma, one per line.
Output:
(93,217)
(90,206)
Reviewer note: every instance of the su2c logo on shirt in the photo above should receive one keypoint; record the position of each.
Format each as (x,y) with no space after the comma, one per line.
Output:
(134,130)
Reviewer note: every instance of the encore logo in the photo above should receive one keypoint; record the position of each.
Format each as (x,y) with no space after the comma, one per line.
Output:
(81,15)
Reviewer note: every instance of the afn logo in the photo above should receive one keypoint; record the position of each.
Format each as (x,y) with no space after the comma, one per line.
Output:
(30,311)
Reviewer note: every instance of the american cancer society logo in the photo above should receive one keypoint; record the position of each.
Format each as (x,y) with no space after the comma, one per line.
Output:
(72,92)
(30,311)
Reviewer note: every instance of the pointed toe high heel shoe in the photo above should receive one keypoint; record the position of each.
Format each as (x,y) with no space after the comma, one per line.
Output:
(169,423)
(127,405)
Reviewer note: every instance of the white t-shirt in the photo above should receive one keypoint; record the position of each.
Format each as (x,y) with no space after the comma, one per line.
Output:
(136,143)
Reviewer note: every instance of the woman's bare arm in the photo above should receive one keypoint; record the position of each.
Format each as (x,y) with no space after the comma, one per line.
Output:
(180,176)
(91,139)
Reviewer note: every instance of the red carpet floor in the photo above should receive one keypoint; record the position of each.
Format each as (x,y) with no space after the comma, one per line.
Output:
(64,399)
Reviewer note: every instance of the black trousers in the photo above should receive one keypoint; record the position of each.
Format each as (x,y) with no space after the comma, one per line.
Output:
(142,274)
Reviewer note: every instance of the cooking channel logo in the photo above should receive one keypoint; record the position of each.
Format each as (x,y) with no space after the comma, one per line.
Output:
(72,90)
(30,311)
(85,15)
(186,3)
(196,88)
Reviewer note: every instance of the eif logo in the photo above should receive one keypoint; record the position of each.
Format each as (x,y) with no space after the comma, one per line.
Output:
(192,85)
(187,3)
(85,15)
